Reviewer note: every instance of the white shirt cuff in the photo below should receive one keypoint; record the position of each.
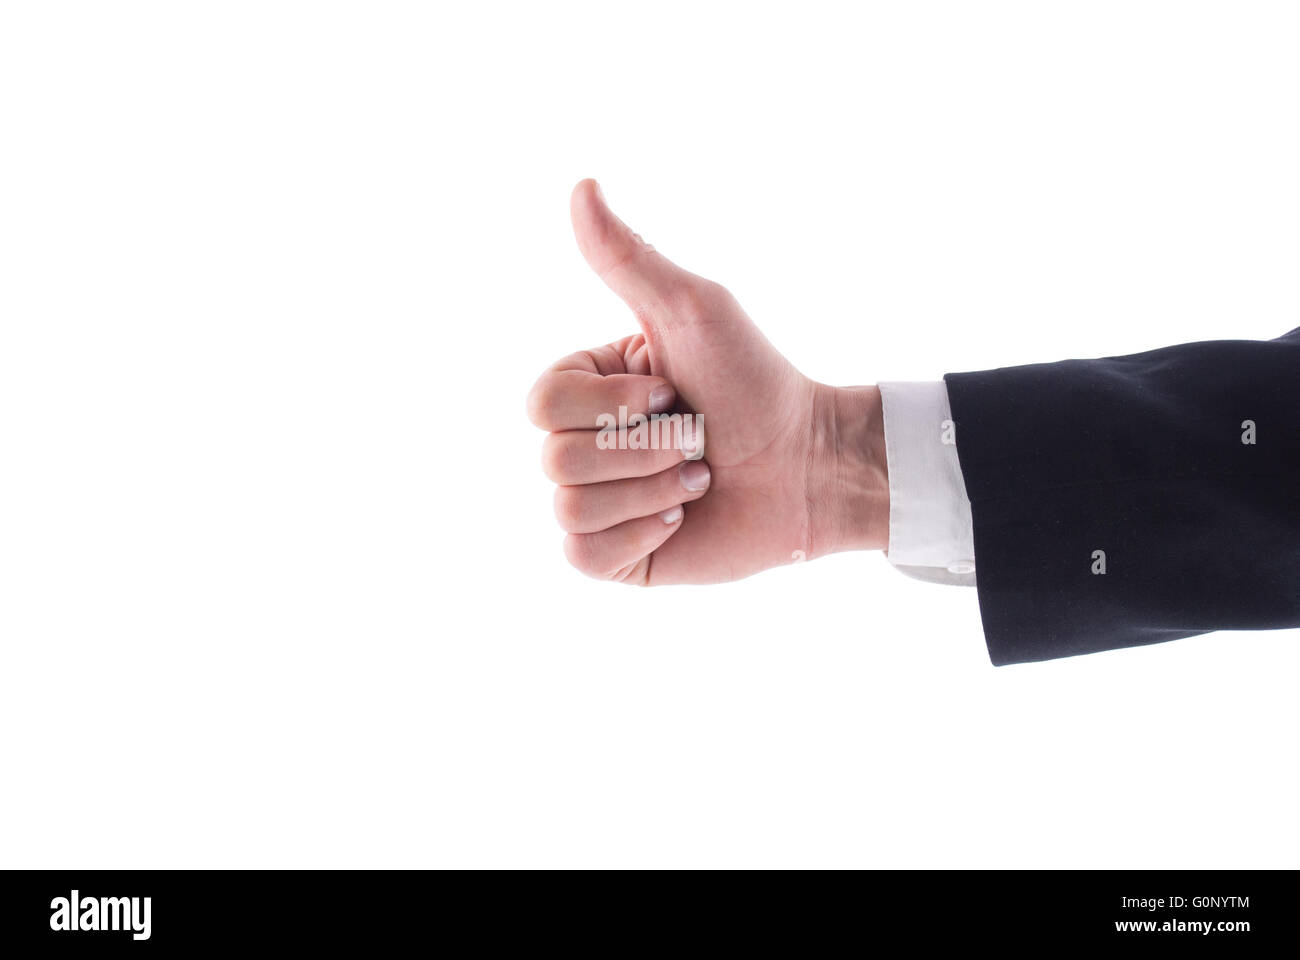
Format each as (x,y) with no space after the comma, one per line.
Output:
(930,532)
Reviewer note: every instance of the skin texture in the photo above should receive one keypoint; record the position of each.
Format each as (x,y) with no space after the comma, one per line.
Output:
(794,469)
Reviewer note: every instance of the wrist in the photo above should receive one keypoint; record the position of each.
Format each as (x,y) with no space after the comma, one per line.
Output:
(849,471)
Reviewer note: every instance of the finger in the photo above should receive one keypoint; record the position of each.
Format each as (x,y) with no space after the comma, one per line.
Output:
(591,456)
(592,507)
(621,552)
(574,399)
(630,267)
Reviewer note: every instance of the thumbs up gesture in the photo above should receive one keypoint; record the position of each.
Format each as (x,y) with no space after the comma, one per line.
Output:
(693,452)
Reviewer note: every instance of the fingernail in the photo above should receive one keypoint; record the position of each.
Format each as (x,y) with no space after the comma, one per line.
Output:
(671,515)
(599,192)
(692,442)
(661,398)
(694,474)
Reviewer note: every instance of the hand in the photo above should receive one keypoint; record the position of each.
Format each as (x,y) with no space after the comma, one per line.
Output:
(792,469)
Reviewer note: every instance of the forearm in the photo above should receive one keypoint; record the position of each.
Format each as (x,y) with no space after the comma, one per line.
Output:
(848,475)
(1129,500)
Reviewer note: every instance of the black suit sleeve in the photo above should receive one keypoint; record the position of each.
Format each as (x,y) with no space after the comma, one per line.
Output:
(1140,466)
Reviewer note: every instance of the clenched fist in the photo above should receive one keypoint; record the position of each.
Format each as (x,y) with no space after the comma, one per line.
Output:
(790,469)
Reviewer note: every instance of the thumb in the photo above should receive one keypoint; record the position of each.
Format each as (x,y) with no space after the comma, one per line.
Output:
(630,267)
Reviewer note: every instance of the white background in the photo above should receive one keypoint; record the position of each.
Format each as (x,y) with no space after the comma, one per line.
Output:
(279,580)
